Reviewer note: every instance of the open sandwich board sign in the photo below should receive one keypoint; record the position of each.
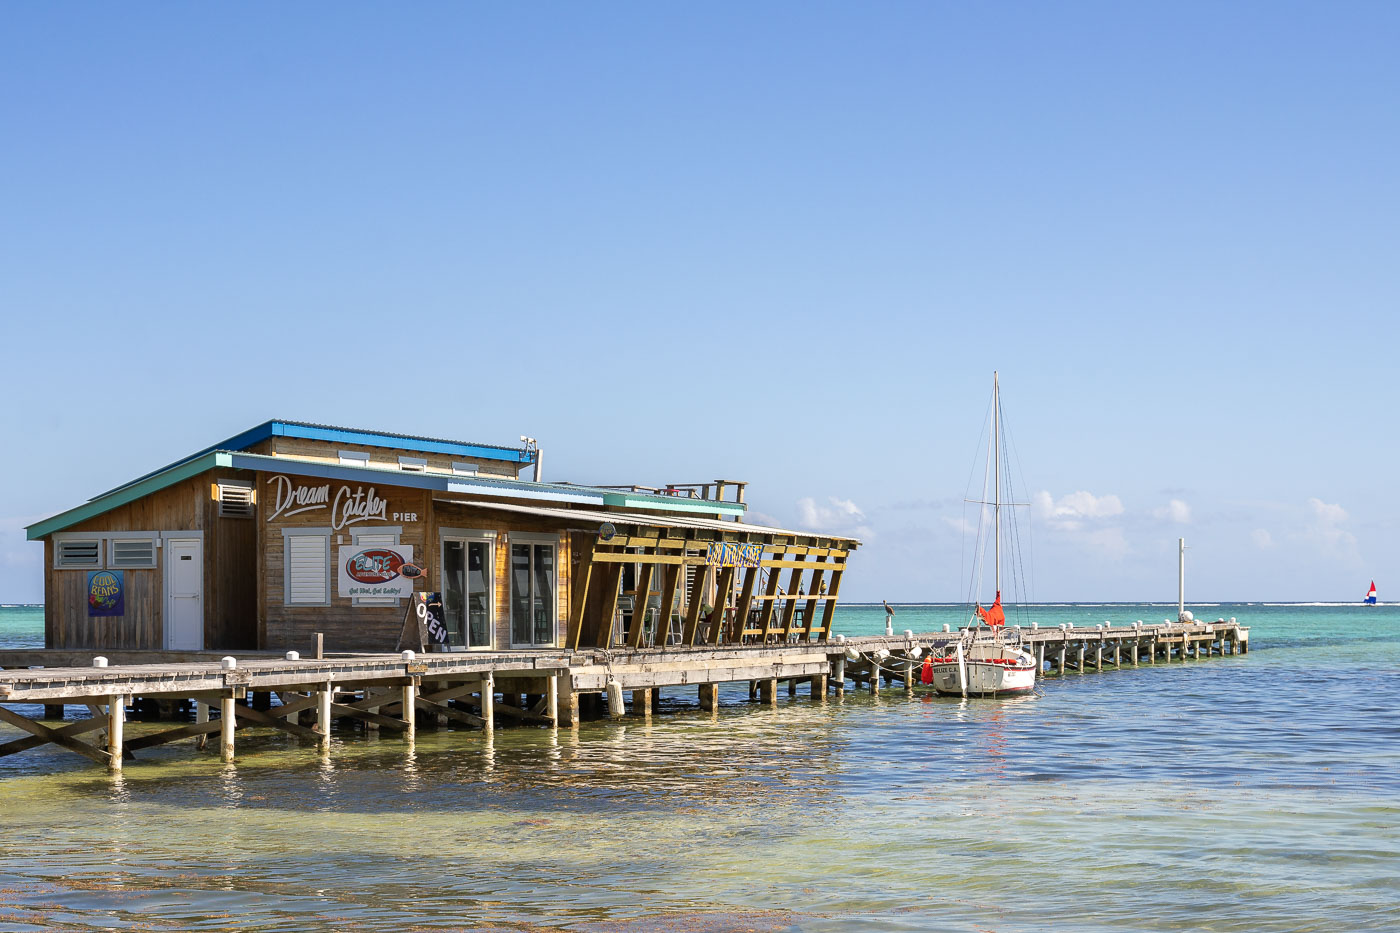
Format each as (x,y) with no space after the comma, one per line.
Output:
(423,628)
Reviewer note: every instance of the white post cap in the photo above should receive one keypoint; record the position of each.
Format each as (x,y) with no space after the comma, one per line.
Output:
(407,655)
(99,661)
(293,656)
(229,662)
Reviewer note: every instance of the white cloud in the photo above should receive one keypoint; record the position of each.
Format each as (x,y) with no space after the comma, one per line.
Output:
(1262,539)
(762,518)
(815,516)
(1327,514)
(836,516)
(961,525)
(1108,543)
(1174,511)
(1071,511)
(1326,529)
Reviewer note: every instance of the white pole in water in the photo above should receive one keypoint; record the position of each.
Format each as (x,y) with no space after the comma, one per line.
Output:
(1181,578)
(962,671)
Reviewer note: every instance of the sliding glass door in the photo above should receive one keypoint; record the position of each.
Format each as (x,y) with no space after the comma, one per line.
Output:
(533,602)
(466,591)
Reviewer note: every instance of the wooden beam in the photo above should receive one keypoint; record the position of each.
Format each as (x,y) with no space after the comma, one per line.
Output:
(830,610)
(608,557)
(277,722)
(670,578)
(800,564)
(58,738)
(790,607)
(172,735)
(656,541)
(341,709)
(769,597)
(442,709)
(809,616)
(73,728)
(692,609)
(741,611)
(763,597)
(639,606)
(724,587)
(612,581)
(578,605)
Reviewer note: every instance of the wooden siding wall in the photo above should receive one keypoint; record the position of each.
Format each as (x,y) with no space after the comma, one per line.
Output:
(66,620)
(329,451)
(346,627)
(230,569)
(140,627)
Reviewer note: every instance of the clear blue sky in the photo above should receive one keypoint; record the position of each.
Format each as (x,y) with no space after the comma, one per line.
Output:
(785,243)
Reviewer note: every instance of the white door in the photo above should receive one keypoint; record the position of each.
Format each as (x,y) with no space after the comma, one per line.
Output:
(184,594)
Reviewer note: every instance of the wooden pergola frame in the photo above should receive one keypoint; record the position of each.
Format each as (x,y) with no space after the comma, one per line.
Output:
(601,567)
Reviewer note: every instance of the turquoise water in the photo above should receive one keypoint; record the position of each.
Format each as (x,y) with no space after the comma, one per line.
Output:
(1257,793)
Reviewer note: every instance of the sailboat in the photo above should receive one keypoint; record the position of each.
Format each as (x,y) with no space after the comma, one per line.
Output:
(985,661)
(1370,599)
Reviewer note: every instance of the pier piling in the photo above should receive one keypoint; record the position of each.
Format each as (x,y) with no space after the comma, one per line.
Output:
(227,723)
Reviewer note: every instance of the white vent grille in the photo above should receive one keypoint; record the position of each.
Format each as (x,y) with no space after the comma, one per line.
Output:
(354,458)
(308,570)
(235,500)
(132,552)
(413,464)
(83,553)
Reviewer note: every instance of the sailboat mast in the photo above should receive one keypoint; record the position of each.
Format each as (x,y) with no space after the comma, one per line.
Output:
(996,488)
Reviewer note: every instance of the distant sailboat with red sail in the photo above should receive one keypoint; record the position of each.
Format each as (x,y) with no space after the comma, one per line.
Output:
(1371,595)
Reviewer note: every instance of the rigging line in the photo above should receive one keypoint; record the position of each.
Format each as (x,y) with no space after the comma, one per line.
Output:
(976,457)
(1028,553)
(981,555)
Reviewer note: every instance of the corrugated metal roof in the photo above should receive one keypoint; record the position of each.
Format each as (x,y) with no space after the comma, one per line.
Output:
(325,432)
(439,482)
(641,518)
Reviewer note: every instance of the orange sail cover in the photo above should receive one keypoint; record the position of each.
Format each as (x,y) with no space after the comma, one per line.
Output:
(994,615)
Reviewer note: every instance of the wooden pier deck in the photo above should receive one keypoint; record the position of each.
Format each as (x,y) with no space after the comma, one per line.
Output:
(547,687)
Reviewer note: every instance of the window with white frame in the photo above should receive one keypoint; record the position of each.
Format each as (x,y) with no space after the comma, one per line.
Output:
(131,552)
(353,458)
(413,464)
(235,498)
(306,567)
(375,537)
(77,552)
(464,469)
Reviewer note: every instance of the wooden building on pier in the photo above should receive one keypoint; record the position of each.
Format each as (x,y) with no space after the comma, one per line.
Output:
(264,540)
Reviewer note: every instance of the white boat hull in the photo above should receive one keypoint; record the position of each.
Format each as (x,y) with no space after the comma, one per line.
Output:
(990,671)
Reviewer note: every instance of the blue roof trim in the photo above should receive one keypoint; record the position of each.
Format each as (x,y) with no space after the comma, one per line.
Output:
(432,445)
(324,432)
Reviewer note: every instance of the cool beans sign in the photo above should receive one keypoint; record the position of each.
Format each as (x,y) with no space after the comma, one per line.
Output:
(106,593)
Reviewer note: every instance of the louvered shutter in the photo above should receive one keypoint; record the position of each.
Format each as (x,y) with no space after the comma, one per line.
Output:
(308,570)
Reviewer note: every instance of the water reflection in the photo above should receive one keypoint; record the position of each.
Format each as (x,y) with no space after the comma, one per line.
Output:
(230,785)
(802,817)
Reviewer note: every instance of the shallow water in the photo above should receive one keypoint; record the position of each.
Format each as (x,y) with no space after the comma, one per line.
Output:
(1255,793)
